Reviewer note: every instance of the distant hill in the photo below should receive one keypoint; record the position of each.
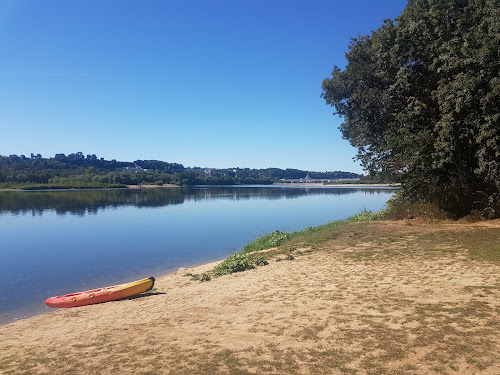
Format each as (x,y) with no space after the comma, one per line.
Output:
(79,170)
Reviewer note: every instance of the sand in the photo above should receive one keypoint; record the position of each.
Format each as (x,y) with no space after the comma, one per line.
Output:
(385,298)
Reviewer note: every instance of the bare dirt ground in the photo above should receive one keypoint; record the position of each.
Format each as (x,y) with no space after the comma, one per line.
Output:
(378,298)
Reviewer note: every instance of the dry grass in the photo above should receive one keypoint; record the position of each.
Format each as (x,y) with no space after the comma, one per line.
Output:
(367,298)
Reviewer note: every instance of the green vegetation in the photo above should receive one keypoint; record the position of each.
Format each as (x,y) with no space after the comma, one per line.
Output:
(367,304)
(267,241)
(239,262)
(76,184)
(278,241)
(197,277)
(420,98)
(310,235)
(248,259)
(370,216)
(288,257)
(403,209)
(80,171)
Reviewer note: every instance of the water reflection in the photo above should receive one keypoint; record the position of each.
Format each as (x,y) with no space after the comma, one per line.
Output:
(57,242)
(90,202)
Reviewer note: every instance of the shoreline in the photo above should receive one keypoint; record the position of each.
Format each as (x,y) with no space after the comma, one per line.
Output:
(29,305)
(336,185)
(152,186)
(177,186)
(194,268)
(26,313)
(97,188)
(379,296)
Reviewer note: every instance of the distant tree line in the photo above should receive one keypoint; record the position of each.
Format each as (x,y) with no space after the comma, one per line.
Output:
(86,171)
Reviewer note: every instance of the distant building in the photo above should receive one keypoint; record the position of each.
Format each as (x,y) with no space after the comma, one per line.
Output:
(308,180)
(135,169)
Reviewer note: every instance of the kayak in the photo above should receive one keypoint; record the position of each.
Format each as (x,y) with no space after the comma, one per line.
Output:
(109,293)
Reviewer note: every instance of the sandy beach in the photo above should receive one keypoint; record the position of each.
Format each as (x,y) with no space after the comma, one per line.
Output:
(379,298)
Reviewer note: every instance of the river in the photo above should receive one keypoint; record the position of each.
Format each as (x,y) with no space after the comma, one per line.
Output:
(57,242)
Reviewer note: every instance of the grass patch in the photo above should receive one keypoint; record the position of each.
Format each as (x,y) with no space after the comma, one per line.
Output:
(310,236)
(488,253)
(267,241)
(370,216)
(196,277)
(239,262)
(288,241)
(482,244)
(288,257)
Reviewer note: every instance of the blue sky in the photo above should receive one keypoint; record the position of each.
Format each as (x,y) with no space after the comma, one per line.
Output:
(207,83)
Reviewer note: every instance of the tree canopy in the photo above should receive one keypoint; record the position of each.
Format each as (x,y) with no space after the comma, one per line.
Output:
(420,98)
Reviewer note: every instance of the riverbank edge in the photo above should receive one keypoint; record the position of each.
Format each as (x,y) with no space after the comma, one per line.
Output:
(178,186)
(362,216)
(191,306)
(337,185)
(96,188)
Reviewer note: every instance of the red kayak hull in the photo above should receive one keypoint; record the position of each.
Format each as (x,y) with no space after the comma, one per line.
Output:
(106,294)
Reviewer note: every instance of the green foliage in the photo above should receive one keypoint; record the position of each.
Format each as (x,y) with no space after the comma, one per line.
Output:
(61,185)
(370,216)
(400,208)
(239,262)
(421,101)
(197,277)
(288,257)
(77,170)
(267,241)
(246,260)
(260,261)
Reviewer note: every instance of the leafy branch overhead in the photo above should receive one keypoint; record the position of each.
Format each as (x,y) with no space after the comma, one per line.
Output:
(420,98)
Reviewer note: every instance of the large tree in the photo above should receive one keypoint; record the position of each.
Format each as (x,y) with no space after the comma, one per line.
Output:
(421,101)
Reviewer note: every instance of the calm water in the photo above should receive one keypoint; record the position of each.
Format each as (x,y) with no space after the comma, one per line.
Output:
(57,242)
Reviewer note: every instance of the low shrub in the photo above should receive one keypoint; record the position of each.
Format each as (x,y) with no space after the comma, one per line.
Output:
(267,241)
(205,277)
(259,261)
(237,263)
(370,216)
(399,209)
(197,277)
(288,257)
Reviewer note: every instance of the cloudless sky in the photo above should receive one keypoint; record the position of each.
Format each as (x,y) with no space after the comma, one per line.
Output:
(208,83)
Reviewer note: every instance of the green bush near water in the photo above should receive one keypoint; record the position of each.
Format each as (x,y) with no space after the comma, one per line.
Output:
(244,260)
(267,241)
(370,216)
(278,238)
(239,262)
